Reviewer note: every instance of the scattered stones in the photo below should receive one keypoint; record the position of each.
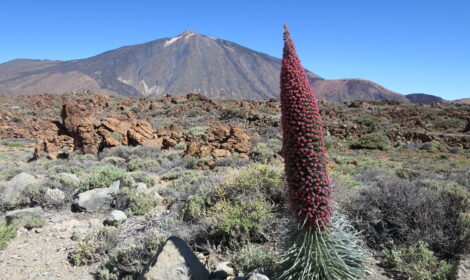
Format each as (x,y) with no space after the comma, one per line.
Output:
(175,261)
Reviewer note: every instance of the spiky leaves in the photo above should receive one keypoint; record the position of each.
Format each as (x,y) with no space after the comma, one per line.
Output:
(334,254)
(303,147)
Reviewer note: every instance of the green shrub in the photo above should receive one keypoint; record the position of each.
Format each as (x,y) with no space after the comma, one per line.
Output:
(198,130)
(145,164)
(252,257)
(370,121)
(417,263)
(186,180)
(134,202)
(174,174)
(195,207)
(238,218)
(266,179)
(261,153)
(450,123)
(375,140)
(240,113)
(94,246)
(7,232)
(431,147)
(34,223)
(180,146)
(128,259)
(102,176)
(142,177)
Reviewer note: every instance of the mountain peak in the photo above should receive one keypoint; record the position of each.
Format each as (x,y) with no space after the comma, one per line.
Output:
(188,32)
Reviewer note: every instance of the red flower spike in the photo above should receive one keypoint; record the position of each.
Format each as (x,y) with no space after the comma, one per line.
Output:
(309,186)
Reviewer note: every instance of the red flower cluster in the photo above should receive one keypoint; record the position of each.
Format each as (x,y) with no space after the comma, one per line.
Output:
(303,146)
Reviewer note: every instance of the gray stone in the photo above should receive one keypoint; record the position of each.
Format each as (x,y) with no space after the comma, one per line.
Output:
(21,216)
(175,261)
(141,187)
(114,188)
(115,217)
(11,191)
(54,196)
(256,276)
(96,199)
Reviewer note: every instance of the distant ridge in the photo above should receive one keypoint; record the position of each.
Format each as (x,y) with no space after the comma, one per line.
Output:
(189,62)
(423,98)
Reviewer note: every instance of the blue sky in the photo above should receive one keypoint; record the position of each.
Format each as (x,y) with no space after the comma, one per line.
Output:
(407,46)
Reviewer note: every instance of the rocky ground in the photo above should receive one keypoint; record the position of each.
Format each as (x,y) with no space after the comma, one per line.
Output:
(108,179)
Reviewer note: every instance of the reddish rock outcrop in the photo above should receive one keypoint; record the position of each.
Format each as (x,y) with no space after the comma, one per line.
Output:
(82,128)
(221,141)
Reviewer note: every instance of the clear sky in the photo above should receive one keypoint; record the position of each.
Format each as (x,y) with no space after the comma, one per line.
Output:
(407,46)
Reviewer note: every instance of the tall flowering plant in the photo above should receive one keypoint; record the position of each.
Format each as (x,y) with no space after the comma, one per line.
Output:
(303,147)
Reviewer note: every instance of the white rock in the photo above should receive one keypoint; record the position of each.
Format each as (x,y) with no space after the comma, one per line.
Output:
(115,216)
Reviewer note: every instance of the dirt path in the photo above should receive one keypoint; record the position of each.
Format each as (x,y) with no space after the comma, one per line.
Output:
(42,253)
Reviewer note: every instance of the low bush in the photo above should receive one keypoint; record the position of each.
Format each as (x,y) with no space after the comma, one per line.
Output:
(375,140)
(194,208)
(264,180)
(128,259)
(94,246)
(252,257)
(34,223)
(261,153)
(238,219)
(102,176)
(134,202)
(239,208)
(142,164)
(232,161)
(417,263)
(142,177)
(7,232)
(432,147)
(198,130)
(409,211)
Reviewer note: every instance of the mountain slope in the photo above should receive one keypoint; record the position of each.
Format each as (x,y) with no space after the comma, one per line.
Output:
(423,98)
(189,62)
